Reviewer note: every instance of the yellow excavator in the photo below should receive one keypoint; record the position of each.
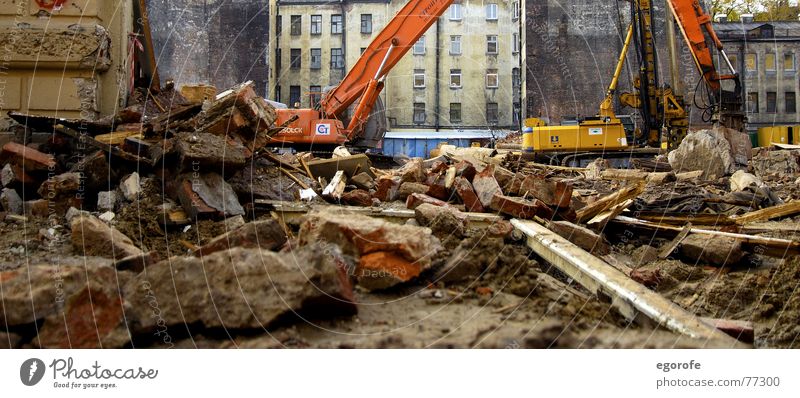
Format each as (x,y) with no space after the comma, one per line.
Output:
(663,113)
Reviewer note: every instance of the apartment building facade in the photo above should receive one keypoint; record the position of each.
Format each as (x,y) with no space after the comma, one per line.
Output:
(463,74)
(765,54)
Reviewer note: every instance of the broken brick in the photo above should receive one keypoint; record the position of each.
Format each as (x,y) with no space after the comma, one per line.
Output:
(408,188)
(357,197)
(552,193)
(465,169)
(265,235)
(441,219)
(29,159)
(386,189)
(92,237)
(486,186)
(417,199)
(520,208)
(60,186)
(468,195)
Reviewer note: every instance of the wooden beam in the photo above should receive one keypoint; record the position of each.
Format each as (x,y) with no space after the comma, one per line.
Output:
(607,202)
(669,248)
(627,296)
(782,210)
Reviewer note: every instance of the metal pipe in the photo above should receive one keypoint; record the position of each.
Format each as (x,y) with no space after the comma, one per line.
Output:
(437,105)
(383,63)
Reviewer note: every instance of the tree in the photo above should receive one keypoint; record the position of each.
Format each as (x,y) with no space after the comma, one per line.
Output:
(777,10)
(733,9)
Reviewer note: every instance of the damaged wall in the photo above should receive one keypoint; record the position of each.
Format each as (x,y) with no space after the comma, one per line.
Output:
(65,62)
(218,42)
(572,50)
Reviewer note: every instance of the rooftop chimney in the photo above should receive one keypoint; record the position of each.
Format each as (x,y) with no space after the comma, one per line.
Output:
(721,18)
(747,18)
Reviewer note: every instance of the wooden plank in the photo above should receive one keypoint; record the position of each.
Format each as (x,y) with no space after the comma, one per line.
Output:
(683,219)
(599,222)
(335,189)
(782,210)
(117,138)
(627,296)
(668,249)
(607,202)
(293,212)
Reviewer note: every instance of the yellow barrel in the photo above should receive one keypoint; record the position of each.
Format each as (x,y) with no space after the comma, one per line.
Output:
(765,136)
(527,139)
(796,135)
(780,134)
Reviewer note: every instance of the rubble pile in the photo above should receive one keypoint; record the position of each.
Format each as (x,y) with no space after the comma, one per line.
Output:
(175,224)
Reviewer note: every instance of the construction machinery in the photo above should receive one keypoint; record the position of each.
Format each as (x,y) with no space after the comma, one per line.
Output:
(663,112)
(324,127)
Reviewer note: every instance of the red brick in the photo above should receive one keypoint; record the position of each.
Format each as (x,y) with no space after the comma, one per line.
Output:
(520,208)
(192,203)
(552,193)
(29,159)
(386,188)
(357,197)
(500,229)
(486,185)
(416,199)
(381,270)
(265,235)
(468,196)
(465,169)
(438,190)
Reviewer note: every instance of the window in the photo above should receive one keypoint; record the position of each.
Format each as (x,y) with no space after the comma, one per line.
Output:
(750,64)
(363,49)
(277,93)
(366,23)
(515,10)
(294,96)
(455,78)
(315,94)
(455,45)
(336,24)
(419,113)
(455,112)
(516,80)
(278,25)
(752,102)
(337,58)
(419,46)
(491,44)
(295,58)
(316,58)
(278,61)
(456,12)
(491,113)
(517,114)
(297,26)
(514,43)
(419,78)
(492,80)
(491,12)
(772,99)
(791,102)
(316,24)
(769,62)
(788,62)
(734,61)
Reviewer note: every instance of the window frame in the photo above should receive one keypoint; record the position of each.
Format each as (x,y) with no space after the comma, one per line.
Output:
(418,73)
(747,67)
(337,27)
(312,65)
(794,62)
(452,15)
(496,118)
(515,43)
(496,43)
(774,57)
(295,54)
(453,42)
(460,115)
(295,21)
(456,72)
(786,96)
(314,96)
(752,102)
(774,102)
(369,20)
(338,56)
(492,72)
(491,8)
(515,10)
(420,42)
(415,108)
(316,20)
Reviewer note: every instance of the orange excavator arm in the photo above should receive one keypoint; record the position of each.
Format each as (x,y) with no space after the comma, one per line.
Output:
(693,21)
(365,78)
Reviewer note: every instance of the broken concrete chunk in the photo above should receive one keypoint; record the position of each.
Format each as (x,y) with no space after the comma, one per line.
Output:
(408,188)
(412,171)
(486,186)
(73,212)
(265,235)
(254,287)
(705,150)
(741,180)
(208,195)
(387,188)
(106,201)
(93,237)
(416,199)
(441,219)
(37,208)
(131,187)
(11,201)
(520,208)
(96,172)
(60,186)
(204,152)
(718,251)
(388,253)
(363,181)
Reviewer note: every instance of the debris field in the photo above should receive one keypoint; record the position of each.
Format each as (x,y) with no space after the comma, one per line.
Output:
(176,223)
